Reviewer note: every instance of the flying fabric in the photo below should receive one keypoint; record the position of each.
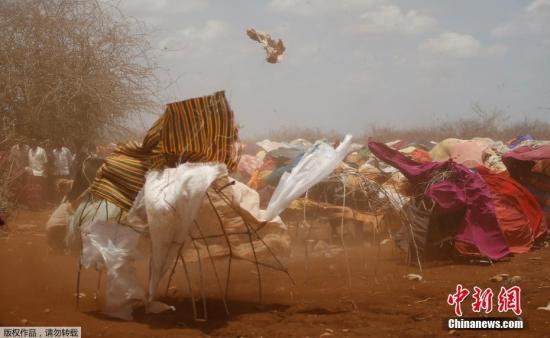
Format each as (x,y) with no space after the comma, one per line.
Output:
(316,164)
(273,48)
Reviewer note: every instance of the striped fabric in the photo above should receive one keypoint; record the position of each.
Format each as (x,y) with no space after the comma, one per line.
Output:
(200,130)
(195,130)
(122,175)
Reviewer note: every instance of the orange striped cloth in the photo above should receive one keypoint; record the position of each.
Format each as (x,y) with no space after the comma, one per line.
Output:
(195,130)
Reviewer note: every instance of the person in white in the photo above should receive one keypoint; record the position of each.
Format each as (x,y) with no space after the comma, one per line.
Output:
(36,186)
(37,160)
(62,158)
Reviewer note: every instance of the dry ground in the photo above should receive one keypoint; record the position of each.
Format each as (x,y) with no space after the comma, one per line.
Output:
(39,287)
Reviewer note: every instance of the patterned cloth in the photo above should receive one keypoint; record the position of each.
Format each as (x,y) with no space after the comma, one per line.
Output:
(249,164)
(121,177)
(195,130)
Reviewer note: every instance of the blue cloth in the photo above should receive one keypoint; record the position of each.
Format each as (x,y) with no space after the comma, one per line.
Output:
(517,141)
(274,178)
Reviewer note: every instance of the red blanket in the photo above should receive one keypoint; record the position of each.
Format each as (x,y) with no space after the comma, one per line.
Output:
(519,216)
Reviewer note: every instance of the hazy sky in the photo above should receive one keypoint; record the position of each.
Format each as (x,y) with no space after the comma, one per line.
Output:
(353,63)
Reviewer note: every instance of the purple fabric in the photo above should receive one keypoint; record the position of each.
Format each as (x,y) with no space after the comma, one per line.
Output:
(516,142)
(447,195)
(526,153)
(480,226)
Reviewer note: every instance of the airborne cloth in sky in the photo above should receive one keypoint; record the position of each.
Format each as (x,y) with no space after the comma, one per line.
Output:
(195,130)
(273,48)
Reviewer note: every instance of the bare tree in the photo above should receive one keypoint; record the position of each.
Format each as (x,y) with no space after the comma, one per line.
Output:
(68,68)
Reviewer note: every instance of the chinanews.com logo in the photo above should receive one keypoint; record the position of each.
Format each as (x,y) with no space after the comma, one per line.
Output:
(508,302)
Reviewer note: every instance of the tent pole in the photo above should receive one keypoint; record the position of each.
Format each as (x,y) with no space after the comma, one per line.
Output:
(342,235)
(189,287)
(218,282)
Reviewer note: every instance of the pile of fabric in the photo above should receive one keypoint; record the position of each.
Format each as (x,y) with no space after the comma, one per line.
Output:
(473,197)
(512,189)
(196,130)
(529,164)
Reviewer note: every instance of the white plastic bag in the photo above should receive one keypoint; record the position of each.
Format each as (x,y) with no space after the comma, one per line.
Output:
(318,162)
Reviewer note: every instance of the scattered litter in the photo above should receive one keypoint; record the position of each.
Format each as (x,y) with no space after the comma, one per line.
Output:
(452,332)
(329,330)
(514,280)
(414,277)
(24,321)
(326,334)
(81,295)
(273,48)
(545,308)
(500,277)
(345,330)
(386,241)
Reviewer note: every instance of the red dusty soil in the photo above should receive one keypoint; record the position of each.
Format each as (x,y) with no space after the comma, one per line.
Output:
(39,287)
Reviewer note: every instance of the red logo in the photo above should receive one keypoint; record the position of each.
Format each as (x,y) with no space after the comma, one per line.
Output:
(508,299)
(457,298)
(483,300)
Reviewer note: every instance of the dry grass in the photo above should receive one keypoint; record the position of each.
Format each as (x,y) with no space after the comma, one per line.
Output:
(492,124)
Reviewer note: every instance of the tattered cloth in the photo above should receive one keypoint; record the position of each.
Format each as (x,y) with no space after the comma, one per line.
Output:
(122,175)
(195,130)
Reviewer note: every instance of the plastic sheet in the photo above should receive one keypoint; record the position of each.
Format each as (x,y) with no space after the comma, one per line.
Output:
(113,247)
(318,162)
(239,208)
(172,198)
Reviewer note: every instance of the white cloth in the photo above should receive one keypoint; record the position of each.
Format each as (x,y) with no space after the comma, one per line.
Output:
(62,161)
(37,161)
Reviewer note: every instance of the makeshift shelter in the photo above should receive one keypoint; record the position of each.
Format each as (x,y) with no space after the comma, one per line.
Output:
(169,189)
(530,165)
(453,188)
(519,216)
